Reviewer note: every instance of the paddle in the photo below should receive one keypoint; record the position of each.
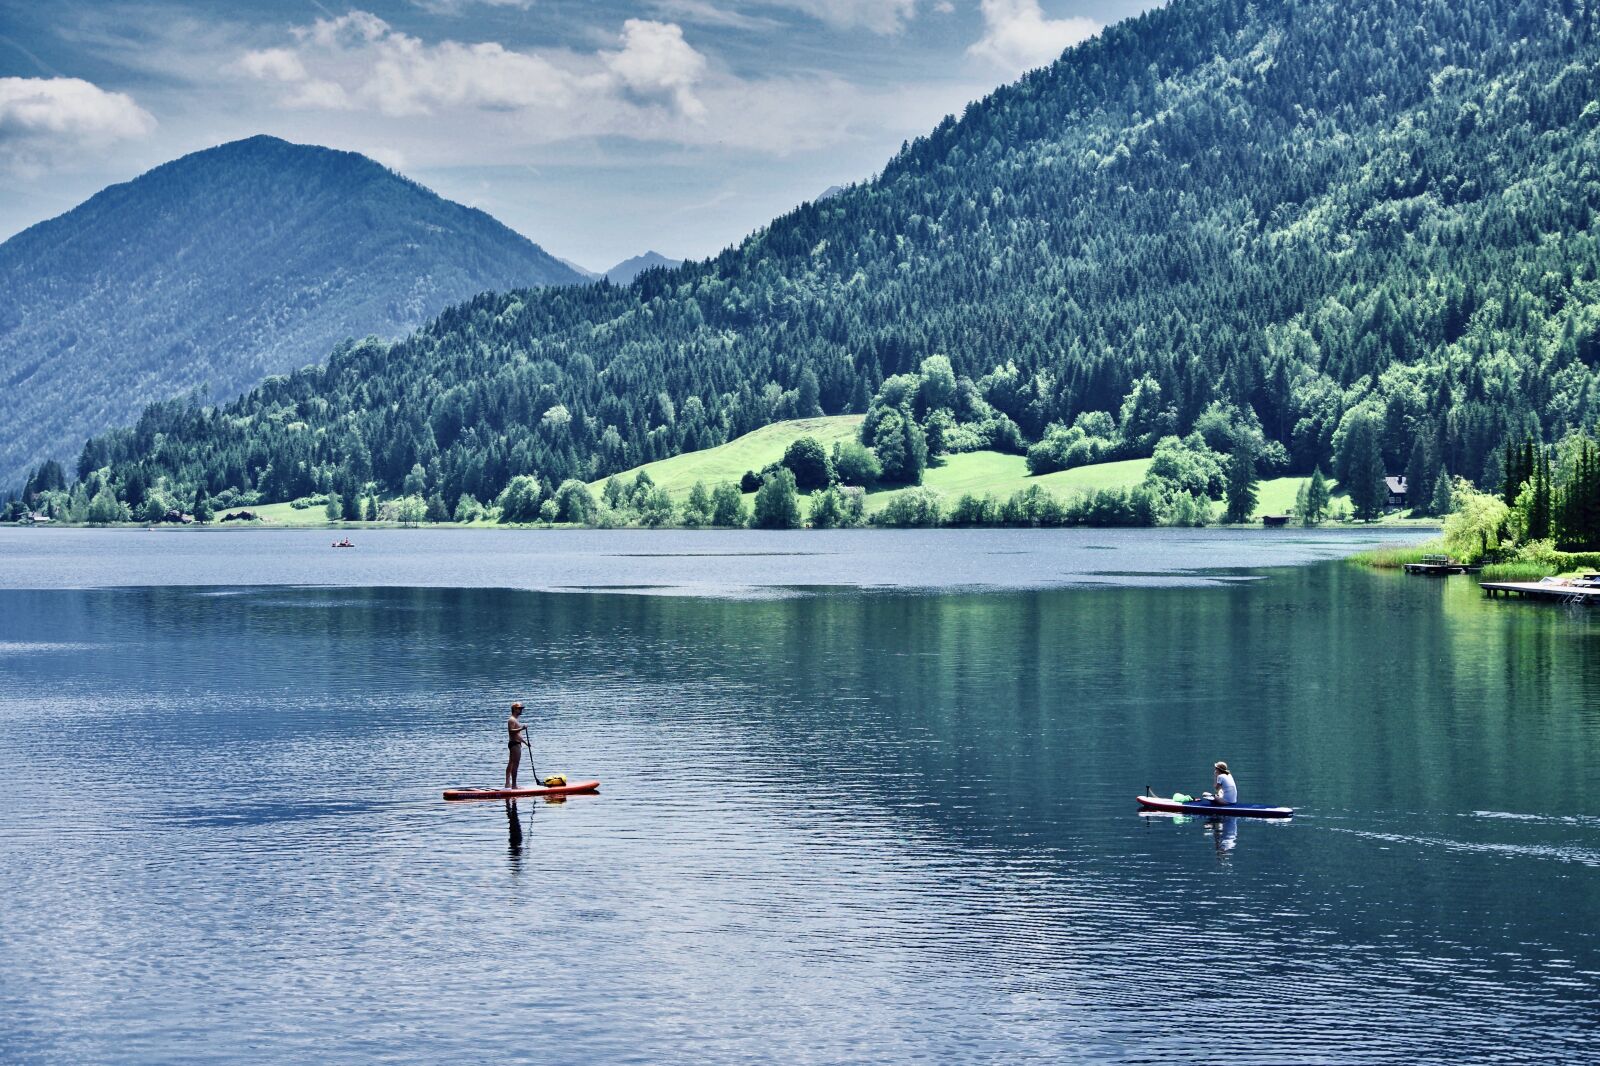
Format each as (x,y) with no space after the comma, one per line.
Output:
(535,769)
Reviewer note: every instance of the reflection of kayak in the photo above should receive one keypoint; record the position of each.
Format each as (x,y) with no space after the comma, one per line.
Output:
(517,793)
(1215,810)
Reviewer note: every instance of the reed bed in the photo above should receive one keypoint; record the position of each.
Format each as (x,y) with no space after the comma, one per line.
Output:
(1393,558)
(1516,570)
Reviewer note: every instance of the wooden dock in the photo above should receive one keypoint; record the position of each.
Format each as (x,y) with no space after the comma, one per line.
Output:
(1440,566)
(1549,591)
(1440,569)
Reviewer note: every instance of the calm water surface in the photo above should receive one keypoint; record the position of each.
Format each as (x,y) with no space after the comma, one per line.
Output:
(871,803)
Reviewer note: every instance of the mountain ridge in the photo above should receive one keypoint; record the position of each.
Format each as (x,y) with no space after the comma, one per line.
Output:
(209,271)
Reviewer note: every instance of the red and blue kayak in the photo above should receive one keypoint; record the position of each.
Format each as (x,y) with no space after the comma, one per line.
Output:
(1207,809)
(517,793)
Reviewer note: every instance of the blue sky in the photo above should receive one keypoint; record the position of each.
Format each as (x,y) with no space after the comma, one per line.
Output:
(599,128)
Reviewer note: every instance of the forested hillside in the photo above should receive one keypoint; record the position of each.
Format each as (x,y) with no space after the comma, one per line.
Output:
(211,271)
(1347,234)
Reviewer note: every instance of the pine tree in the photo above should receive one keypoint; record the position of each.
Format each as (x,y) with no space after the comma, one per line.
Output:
(1241,496)
(1317,496)
(1540,513)
(1515,474)
(1419,475)
(1368,493)
(808,404)
(1579,502)
(1442,502)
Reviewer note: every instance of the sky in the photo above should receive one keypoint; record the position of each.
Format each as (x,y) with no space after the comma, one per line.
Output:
(597,128)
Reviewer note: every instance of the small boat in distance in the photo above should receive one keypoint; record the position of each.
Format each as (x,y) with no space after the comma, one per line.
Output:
(345,543)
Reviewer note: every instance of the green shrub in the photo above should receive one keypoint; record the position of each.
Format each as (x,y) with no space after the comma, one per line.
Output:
(918,507)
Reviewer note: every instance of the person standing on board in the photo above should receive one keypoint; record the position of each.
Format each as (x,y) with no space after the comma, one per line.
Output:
(1224,791)
(518,736)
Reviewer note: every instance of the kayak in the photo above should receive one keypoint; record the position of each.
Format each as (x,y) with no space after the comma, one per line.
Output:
(517,793)
(1214,810)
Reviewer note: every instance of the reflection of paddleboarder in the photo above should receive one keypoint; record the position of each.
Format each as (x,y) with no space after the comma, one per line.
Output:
(1225,831)
(518,736)
(514,828)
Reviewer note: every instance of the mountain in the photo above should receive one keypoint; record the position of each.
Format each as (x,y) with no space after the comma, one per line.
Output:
(624,272)
(591,275)
(1354,235)
(223,266)
(829,193)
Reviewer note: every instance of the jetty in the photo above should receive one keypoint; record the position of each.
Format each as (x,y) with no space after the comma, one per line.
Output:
(1551,590)
(1439,566)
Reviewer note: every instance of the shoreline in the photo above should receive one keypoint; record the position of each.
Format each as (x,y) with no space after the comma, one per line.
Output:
(1399,526)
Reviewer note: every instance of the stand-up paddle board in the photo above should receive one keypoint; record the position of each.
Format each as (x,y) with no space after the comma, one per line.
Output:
(1214,810)
(517,793)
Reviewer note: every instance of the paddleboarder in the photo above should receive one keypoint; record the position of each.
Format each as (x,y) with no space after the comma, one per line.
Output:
(518,736)
(1224,791)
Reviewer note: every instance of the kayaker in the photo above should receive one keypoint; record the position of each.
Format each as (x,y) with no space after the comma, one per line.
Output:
(1224,791)
(517,736)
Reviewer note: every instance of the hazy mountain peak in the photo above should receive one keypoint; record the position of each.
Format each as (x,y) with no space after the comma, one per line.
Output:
(213,270)
(624,272)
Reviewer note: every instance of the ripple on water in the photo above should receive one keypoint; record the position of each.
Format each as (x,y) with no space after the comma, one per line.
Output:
(834,828)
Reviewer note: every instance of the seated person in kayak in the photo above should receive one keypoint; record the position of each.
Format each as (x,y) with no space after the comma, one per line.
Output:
(1225,792)
(518,736)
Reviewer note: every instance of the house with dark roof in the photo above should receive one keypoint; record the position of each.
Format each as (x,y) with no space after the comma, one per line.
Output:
(1397,491)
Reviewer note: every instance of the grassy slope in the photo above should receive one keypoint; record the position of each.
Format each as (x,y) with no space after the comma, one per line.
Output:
(1276,496)
(980,473)
(754,450)
(1000,475)
(281,514)
(286,516)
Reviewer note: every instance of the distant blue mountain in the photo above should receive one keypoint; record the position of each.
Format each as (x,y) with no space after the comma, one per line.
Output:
(221,267)
(624,272)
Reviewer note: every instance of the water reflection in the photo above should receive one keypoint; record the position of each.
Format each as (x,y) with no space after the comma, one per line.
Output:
(845,804)
(1225,832)
(514,833)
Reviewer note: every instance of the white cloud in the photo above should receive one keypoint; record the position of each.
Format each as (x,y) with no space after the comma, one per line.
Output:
(1018,37)
(879,16)
(274,64)
(356,81)
(656,61)
(358,61)
(71,107)
(705,13)
(457,7)
(45,120)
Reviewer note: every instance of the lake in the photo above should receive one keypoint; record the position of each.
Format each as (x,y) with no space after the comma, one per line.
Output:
(868,797)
